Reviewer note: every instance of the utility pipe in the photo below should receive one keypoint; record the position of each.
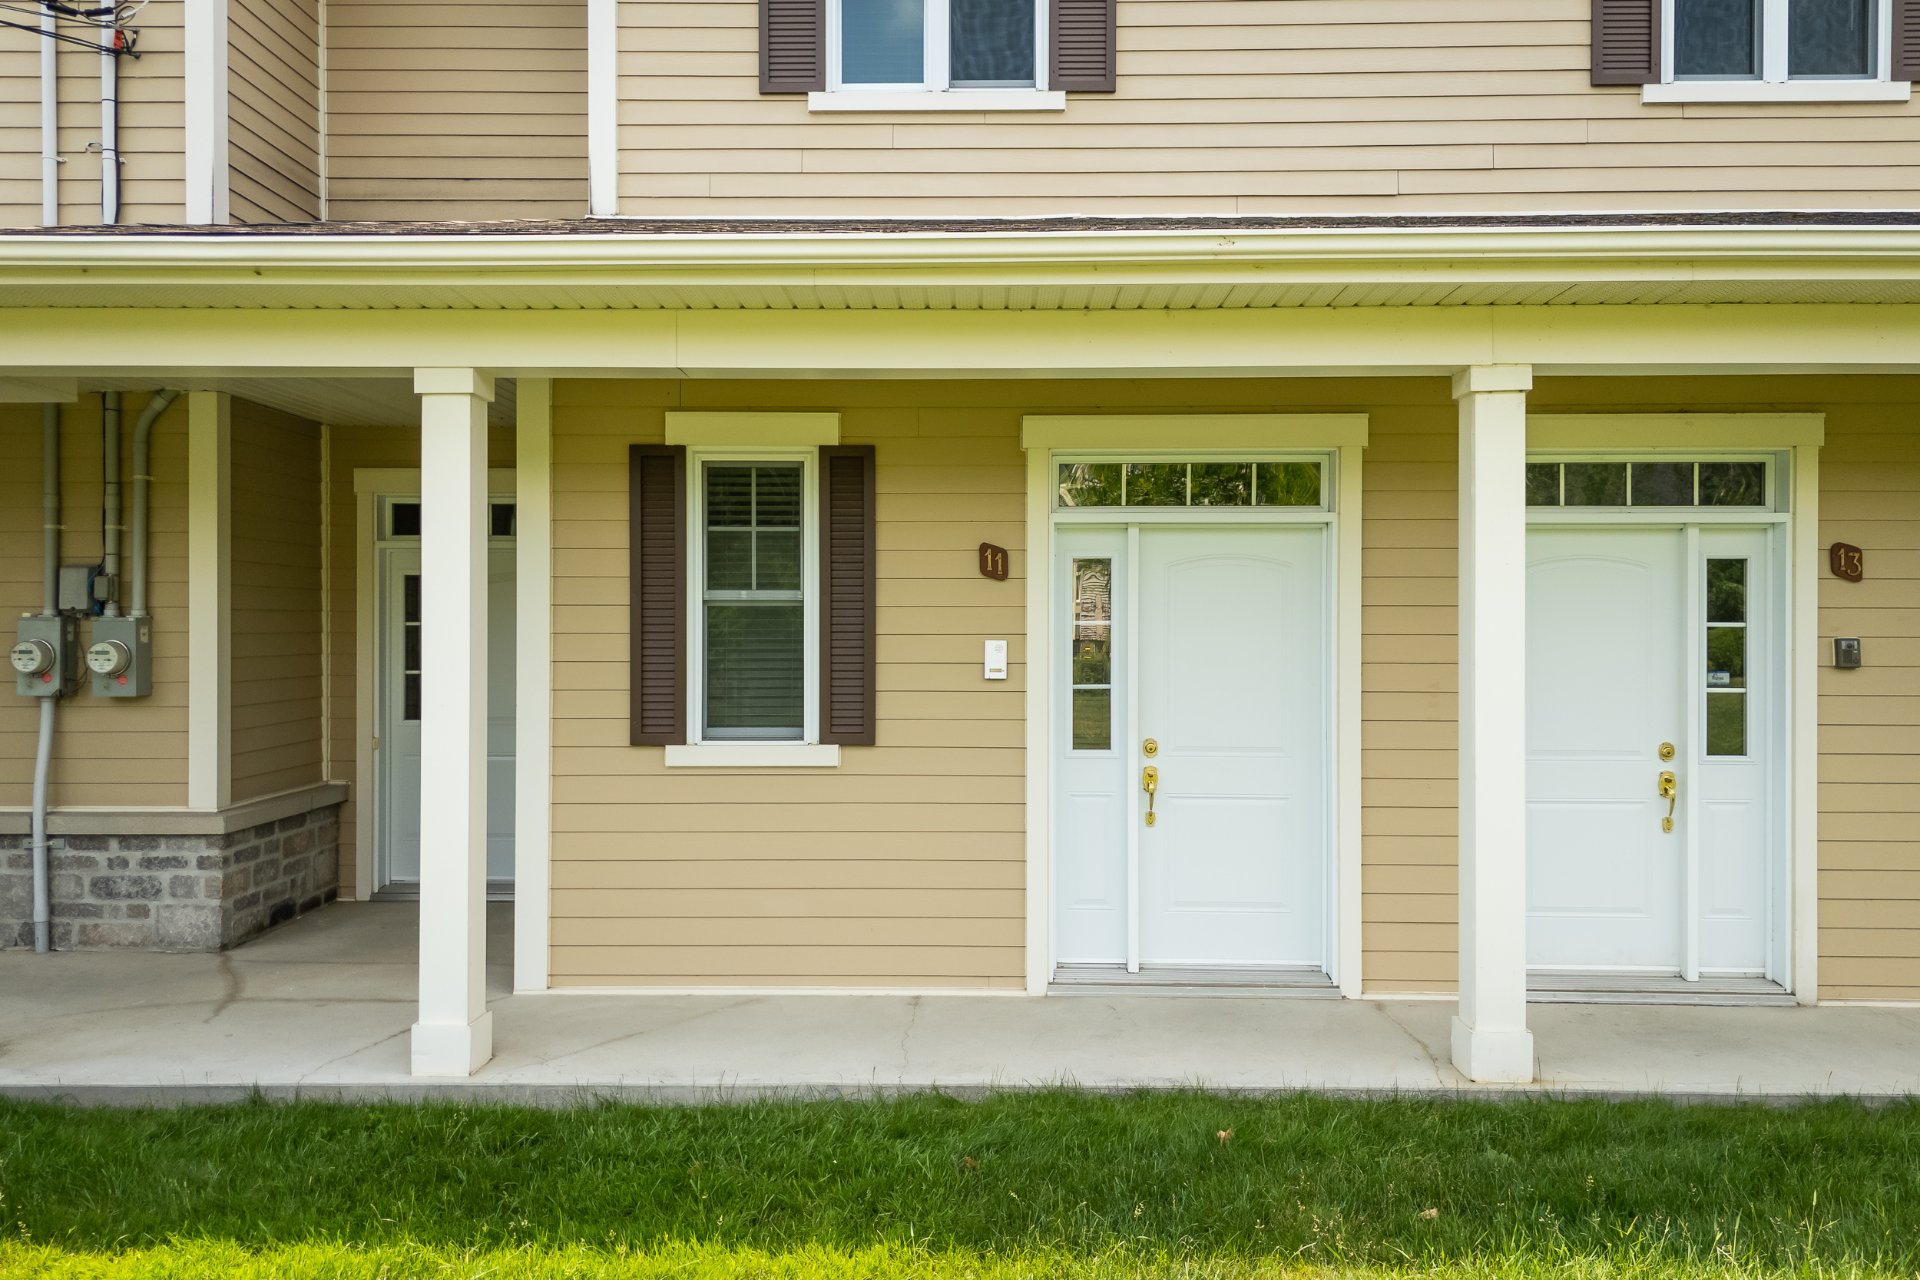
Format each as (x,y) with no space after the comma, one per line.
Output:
(111,527)
(142,483)
(50,606)
(49,121)
(110,127)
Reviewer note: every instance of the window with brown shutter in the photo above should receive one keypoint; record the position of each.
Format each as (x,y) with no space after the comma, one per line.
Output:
(657,555)
(793,46)
(847,595)
(990,45)
(1083,45)
(1736,50)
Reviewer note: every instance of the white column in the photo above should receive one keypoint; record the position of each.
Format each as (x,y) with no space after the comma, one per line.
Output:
(603,108)
(1490,1037)
(209,600)
(454,1035)
(533,680)
(207,110)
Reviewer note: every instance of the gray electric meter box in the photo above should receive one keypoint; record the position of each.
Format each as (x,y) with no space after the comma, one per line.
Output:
(120,658)
(46,656)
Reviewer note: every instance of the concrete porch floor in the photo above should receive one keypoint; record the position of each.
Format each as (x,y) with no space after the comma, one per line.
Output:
(321,1008)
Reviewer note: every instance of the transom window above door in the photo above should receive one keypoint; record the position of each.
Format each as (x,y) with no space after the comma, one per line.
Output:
(1641,483)
(935,45)
(1189,482)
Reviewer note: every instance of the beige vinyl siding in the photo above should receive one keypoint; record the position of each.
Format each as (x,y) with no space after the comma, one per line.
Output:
(112,752)
(347,450)
(1409,699)
(276,602)
(273,91)
(444,110)
(19,128)
(1246,107)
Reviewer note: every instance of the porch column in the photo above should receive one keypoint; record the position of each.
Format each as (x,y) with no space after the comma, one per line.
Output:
(1490,1037)
(454,1035)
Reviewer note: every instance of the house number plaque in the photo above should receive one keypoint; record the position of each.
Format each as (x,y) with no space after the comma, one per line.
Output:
(993,562)
(1848,562)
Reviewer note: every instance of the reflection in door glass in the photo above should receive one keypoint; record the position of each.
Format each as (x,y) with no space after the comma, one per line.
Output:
(1156,484)
(1543,484)
(410,646)
(1726,673)
(1090,655)
(1663,484)
(1733,484)
(1596,484)
(1089,484)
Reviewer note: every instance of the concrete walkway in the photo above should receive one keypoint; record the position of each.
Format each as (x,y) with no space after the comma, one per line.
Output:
(321,1008)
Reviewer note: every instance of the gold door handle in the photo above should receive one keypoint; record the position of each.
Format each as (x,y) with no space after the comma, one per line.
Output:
(1670,792)
(1150,783)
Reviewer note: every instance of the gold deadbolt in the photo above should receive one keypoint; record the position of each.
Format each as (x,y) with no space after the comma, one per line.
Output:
(1666,751)
(1150,748)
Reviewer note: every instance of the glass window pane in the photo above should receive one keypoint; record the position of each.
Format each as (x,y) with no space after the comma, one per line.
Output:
(776,560)
(1092,590)
(410,697)
(1543,484)
(992,42)
(1831,38)
(776,497)
(729,496)
(410,597)
(1156,484)
(1596,484)
(1287,484)
(1092,656)
(1733,484)
(501,519)
(882,41)
(1726,724)
(1726,657)
(1716,38)
(1222,484)
(410,658)
(403,520)
(755,685)
(1089,484)
(1663,484)
(1726,591)
(730,560)
(1092,719)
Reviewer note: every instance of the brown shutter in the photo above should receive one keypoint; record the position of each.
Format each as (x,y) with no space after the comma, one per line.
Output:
(1083,39)
(657,540)
(1906,39)
(1626,41)
(846,595)
(793,46)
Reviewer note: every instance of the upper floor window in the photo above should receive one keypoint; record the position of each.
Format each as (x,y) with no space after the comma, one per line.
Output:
(935,45)
(1775,50)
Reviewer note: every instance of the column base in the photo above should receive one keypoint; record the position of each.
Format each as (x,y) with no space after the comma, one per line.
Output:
(452,1048)
(1493,1057)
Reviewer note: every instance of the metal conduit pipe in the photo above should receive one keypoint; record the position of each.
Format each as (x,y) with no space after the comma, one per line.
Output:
(110,128)
(142,484)
(49,121)
(50,605)
(111,528)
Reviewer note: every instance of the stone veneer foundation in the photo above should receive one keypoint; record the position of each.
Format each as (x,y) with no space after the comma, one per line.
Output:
(201,891)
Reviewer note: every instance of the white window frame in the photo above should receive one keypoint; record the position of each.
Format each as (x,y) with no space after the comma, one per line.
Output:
(1773,83)
(937,92)
(701,751)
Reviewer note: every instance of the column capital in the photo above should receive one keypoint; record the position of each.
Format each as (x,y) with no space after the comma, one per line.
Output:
(1479,378)
(453,382)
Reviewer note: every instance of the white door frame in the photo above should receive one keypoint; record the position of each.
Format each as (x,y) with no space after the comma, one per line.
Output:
(1798,437)
(1344,436)
(370,485)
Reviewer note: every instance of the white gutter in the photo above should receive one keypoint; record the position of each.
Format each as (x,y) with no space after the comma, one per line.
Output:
(49,121)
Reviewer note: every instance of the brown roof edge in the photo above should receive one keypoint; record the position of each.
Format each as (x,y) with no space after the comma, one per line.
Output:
(642,227)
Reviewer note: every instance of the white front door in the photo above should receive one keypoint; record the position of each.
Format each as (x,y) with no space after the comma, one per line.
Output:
(1212,644)
(403,651)
(1652,652)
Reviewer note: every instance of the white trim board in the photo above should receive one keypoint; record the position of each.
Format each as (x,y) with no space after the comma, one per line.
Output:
(603,108)
(1342,435)
(208,110)
(533,682)
(370,484)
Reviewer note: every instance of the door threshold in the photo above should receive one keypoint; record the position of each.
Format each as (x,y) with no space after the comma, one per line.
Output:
(1633,988)
(1300,982)
(409,891)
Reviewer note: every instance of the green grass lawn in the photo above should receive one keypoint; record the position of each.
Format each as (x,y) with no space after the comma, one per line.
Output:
(1052,1184)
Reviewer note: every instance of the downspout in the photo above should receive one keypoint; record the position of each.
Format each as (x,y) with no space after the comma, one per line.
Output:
(110,128)
(142,483)
(49,121)
(49,606)
(111,528)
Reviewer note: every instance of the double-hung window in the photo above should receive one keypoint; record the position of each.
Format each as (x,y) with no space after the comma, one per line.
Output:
(1756,50)
(936,45)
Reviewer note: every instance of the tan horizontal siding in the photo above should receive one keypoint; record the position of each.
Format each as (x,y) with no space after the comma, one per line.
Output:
(1246,107)
(113,752)
(273,74)
(443,110)
(276,636)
